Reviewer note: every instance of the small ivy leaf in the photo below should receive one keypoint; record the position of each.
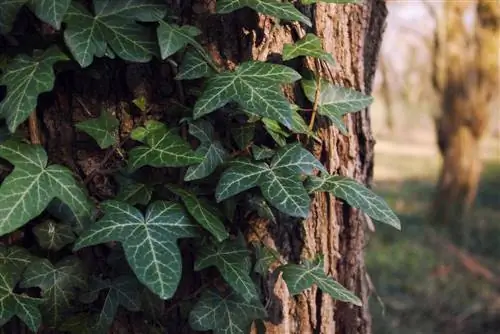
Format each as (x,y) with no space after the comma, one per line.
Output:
(140,10)
(123,290)
(59,285)
(103,129)
(164,149)
(207,216)
(286,193)
(53,236)
(133,192)
(149,242)
(281,10)
(212,151)
(308,2)
(260,205)
(27,191)
(8,13)
(309,46)
(233,262)
(26,78)
(63,213)
(194,66)
(255,86)
(242,175)
(50,11)
(335,101)
(16,257)
(140,103)
(243,135)
(265,258)
(295,159)
(113,25)
(299,125)
(262,153)
(173,38)
(301,277)
(140,133)
(225,315)
(13,304)
(274,129)
(357,196)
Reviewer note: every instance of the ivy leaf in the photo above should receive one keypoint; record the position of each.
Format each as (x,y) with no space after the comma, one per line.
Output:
(26,78)
(149,242)
(123,290)
(301,277)
(274,129)
(8,13)
(13,304)
(173,38)
(356,195)
(164,149)
(243,135)
(260,205)
(59,285)
(335,101)
(225,315)
(212,151)
(308,2)
(50,11)
(16,257)
(113,25)
(279,181)
(63,213)
(194,66)
(309,46)
(53,236)
(27,191)
(281,10)
(233,262)
(265,258)
(142,132)
(103,129)
(133,192)
(255,86)
(262,153)
(207,216)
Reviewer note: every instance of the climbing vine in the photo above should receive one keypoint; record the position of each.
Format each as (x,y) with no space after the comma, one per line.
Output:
(249,158)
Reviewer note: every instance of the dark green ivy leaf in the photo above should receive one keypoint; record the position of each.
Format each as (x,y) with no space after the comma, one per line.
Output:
(194,66)
(301,277)
(255,86)
(27,191)
(357,196)
(281,10)
(232,259)
(308,2)
(63,213)
(243,135)
(8,13)
(59,285)
(262,153)
(309,46)
(133,192)
(26,78)
(173,38)
(53,236)
(15,257)
(50,11)
(225,315)
(103,129)
(149,242)
(13,304)
(265,258)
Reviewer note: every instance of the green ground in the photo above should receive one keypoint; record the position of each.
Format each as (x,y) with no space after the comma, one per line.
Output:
(422,285)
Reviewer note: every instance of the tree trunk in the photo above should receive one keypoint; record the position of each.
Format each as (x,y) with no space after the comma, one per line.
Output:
(467,82)
(352,33)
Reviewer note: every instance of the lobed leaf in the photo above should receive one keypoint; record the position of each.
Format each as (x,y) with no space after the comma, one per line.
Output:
(103,129)
(50,11)
(53,236)
(310,46)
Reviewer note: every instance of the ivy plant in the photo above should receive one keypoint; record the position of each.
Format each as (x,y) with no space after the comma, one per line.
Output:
(184,181)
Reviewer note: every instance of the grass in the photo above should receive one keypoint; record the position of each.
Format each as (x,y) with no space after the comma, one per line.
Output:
(422,286)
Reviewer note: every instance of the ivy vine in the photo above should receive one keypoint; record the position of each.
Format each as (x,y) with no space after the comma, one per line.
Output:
(143,223)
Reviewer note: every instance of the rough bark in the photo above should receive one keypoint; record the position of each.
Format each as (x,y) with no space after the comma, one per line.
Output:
(466,81)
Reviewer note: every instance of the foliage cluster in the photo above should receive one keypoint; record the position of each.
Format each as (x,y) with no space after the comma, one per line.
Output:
(221,172)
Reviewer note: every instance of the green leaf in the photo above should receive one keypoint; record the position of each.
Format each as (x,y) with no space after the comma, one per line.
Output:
(15,257)
(122,291)
(207,216)
(301,277)
(53,236)
(243,135)
(164,149)
(133,192)
(265,258)
(104,129)
(281,10)
(300,126)
(113,26)
(255,86)
(141,103)
(59,285)
(295,159)
(233,262)
(242,175)
(262,153)
(173,38)
(335,101)
(357,196)
(13,304)
(8,13)
(308,2)
(260,205)
(50,11)
(149,242)
(194,66)
(274,129)
(63,213)
(142,132)
(309,46)
(26,78)
(27,191)
(212,151)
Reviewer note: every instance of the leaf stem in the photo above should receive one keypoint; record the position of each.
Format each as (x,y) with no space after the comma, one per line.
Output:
(316,102)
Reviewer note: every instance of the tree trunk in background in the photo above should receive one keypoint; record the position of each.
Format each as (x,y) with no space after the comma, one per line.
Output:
(465,82)
(385,91)
(352,33)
